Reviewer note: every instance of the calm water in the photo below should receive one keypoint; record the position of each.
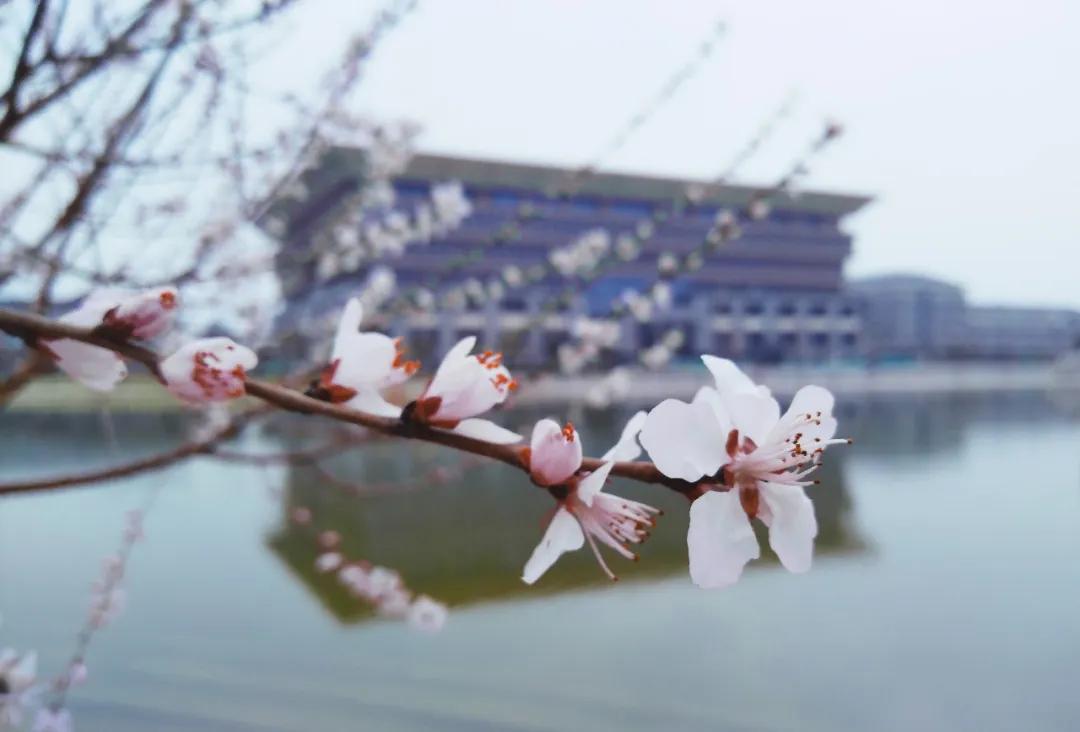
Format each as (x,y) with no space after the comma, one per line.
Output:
(945,595)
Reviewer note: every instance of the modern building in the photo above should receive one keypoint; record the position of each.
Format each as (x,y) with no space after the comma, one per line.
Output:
(775,293)
(907,317)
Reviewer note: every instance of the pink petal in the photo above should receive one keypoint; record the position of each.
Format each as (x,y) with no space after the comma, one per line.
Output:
(720,540)
(554,457)
(93,367)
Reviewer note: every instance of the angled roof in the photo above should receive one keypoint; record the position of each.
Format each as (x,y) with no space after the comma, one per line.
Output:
(528,176)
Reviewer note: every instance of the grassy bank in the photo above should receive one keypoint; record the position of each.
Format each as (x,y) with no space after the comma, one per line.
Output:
(137,393)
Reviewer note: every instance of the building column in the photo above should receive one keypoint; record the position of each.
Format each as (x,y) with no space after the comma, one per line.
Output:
(701,315)
(492,325)
(738,331)
(446,330)
(804,342)
(534,338)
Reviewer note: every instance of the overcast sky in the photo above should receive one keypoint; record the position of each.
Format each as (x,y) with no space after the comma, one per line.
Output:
(963,118)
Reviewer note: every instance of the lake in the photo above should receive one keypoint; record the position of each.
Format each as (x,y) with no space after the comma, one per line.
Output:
(945,593)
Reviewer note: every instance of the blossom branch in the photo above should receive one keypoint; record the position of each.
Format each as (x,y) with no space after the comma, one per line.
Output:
(31,328)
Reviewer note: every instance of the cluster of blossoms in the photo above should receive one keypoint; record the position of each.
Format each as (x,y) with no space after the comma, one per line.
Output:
(356,239)
(202,370)
(730,449)
(380,587)
(581,256)
(18,676)
(591,337)
(659,355)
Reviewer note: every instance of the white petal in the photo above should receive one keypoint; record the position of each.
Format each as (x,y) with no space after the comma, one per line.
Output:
(753,414)
(371,402)
(451,362)
(593,483)
(486,430)
(627,448)
(711,396)
(554,458)
(810,400)
(348,326)
(729,377)
(563,535)
(684,440)
(720,539)
(792,525)
(93,367)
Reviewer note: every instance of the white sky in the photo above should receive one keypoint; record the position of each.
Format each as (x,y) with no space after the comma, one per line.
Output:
(963,118)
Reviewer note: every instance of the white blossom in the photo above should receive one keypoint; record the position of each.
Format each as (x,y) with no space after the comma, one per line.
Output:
(765,458)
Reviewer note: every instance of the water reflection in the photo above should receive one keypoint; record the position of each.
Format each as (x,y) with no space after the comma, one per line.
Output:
(466,541)
(944,598)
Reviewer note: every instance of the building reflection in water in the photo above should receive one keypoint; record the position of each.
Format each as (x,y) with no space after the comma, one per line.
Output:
(467,540)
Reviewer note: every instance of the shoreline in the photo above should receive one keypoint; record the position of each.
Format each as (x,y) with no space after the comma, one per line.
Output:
(140,393)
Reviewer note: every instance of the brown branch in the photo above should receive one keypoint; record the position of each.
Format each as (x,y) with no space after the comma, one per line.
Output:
(23,374)
(31,327)
(160,460)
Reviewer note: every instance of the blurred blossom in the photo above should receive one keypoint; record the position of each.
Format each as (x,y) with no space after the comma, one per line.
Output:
(627,248)
(107,602)
(758,209)
(451,205)
(53,720)
(213,419)
(77,673)
(513,276)
(662,295)
(656,357)
(667,264)
(139,315)
(425,300)
(427,614)
(581,256)
(328,562)
(18,673)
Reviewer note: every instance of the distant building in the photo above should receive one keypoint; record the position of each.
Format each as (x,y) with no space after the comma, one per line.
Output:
(906,316)
(774,294)
(1020,333)
(911,317)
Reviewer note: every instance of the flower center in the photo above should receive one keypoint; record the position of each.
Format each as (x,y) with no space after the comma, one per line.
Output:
(167,300)
(490,359)
(409,367)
